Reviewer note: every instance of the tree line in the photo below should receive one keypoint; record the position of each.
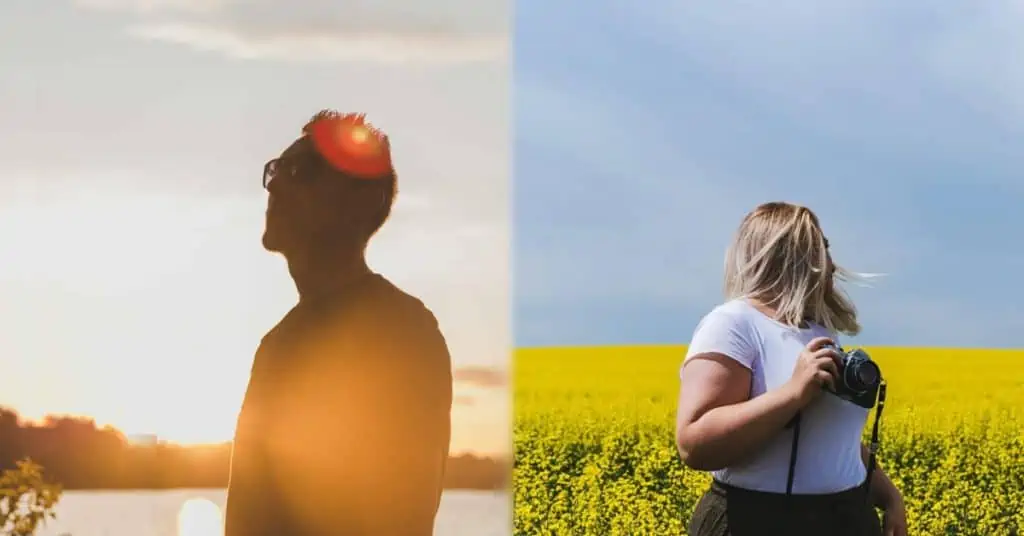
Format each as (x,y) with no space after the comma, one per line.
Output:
(80,455)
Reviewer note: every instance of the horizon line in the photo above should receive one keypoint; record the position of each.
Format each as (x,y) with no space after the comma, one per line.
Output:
(685,344)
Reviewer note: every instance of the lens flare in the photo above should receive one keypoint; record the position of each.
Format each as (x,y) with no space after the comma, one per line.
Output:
(360,135)
(352,145)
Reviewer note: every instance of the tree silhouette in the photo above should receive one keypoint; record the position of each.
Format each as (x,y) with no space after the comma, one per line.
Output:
(79,455)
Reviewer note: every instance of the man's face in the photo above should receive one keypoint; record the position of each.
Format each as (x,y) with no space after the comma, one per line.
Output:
(306,203)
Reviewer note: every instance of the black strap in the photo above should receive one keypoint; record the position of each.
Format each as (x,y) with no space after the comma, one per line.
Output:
(872,447)
(795,423)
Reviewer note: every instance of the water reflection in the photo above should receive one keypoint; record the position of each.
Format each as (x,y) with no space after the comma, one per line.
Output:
(200,517)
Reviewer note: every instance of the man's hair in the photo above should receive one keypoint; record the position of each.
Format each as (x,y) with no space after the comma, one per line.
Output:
(382,190)
(780,256)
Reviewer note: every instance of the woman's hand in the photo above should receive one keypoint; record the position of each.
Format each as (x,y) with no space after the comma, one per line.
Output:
(817,367)
(894,516)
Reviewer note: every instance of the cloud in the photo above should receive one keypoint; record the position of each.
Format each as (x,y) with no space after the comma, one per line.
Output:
(888,64)
(381,47)
(156,6)
(878,117)
(480,376)
(385,31)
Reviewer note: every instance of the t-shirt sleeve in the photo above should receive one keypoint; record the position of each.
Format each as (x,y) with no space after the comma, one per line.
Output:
(725,333)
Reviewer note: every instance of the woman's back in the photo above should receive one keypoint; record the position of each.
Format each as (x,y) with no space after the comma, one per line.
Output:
(829,457)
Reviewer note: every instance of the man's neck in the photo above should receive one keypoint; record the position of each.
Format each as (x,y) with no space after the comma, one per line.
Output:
(321,275)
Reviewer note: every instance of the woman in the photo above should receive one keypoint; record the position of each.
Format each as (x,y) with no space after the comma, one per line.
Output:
(759,363)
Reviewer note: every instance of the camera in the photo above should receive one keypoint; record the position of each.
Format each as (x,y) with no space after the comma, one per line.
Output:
(859,377)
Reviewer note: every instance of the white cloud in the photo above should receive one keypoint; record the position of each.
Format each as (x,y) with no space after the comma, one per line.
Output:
(445,31)
(327,46)
(156,6)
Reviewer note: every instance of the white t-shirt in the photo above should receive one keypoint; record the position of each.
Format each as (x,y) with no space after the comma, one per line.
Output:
(828,455)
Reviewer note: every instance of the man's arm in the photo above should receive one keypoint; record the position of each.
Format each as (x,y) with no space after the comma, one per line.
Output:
(249,504)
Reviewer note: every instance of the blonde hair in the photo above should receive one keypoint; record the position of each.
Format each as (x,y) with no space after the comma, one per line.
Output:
(779,257)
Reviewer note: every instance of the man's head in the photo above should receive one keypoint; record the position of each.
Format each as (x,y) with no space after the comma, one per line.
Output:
(324,194)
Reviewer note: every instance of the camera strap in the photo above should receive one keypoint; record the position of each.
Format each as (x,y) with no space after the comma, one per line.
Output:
(795,424)
(872,446)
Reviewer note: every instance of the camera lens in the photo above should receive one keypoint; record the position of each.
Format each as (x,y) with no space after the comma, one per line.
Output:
(866,374)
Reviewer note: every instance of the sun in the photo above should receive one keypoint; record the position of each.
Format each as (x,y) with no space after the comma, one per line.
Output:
(200,517)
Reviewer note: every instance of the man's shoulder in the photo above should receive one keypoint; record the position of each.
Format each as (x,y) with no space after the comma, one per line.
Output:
(393,319)
(380,313)
(387,303)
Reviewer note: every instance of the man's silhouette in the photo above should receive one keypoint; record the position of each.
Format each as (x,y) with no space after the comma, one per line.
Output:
(345,425)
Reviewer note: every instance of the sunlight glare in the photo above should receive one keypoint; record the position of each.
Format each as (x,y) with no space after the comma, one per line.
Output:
(200,517)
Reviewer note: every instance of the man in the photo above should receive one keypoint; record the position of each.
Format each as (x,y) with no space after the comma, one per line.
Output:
(345,425)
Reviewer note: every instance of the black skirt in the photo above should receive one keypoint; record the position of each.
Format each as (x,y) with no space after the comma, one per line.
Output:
(726,510)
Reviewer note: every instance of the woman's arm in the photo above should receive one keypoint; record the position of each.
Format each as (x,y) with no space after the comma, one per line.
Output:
(884,493)
(717,423)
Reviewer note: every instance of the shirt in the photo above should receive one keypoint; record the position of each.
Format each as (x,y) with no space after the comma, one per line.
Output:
(829,455)
(345,426)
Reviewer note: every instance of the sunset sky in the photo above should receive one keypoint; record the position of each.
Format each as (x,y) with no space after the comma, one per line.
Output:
(133,284)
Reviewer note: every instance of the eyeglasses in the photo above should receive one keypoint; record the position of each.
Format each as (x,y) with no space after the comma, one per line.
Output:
(277,168)
(270,171)
(292,167)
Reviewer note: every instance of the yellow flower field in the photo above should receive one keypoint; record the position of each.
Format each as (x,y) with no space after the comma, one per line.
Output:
(595,451)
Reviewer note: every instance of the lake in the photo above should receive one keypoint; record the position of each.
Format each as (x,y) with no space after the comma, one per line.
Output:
(198,513)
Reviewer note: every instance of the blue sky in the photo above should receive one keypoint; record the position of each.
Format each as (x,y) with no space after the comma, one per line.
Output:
(645,131)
